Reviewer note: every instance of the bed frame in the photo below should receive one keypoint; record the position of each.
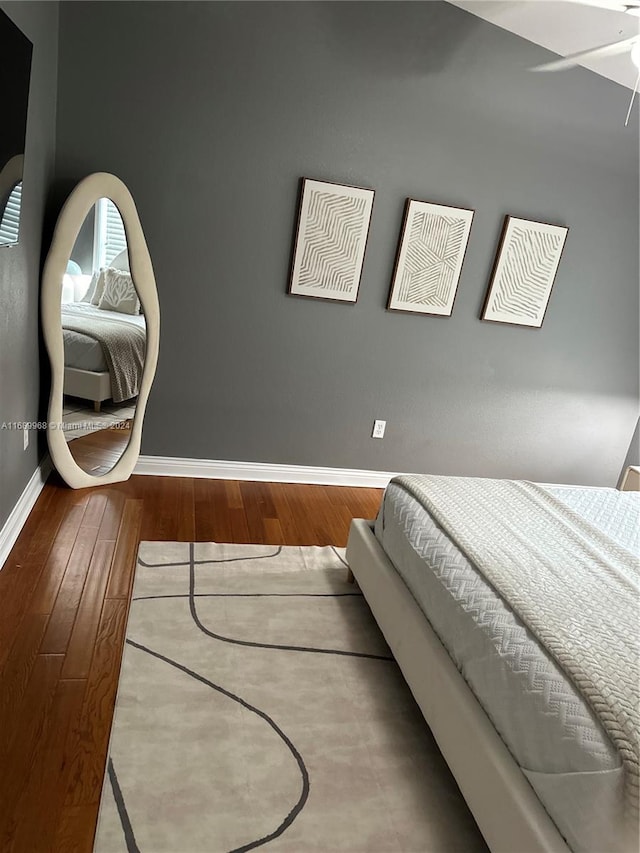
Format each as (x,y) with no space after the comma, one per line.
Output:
(503,803)
(88,385)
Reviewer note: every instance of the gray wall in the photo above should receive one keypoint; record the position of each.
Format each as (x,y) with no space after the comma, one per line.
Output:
(633,454)
(211,112)
(20,265)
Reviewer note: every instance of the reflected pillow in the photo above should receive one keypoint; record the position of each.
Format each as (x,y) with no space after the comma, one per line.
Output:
(119,294)
(93,294)
(67,289)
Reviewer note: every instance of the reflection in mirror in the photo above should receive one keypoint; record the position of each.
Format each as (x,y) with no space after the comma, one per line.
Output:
(15,70)
(104,338)
(10,218)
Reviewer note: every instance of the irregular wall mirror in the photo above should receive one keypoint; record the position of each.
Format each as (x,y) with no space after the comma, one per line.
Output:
(101,323)
(15,69)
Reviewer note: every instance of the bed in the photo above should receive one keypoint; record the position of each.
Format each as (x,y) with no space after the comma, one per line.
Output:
(104,343)
(532,759)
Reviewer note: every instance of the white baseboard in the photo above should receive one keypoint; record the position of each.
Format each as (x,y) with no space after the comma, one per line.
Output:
(265,472)
(19,514)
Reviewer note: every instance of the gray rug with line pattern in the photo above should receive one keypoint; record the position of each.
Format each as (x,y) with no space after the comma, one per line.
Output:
(258,705)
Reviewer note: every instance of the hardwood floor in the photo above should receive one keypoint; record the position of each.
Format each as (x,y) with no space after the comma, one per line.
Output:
(99,451)
(64,596)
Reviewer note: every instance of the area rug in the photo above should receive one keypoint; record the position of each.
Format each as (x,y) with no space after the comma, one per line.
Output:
(258,704)
(79,419)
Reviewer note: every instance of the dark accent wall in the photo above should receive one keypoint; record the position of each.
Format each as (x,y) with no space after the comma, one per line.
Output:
(211,113)
(20,265)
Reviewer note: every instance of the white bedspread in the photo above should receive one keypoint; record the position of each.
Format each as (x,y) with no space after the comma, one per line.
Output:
(576,589)
(568,758)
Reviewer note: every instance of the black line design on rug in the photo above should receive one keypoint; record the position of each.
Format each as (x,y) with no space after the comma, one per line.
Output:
(127,829)
(253,644)
(205,562)
(295,811)
(251,595)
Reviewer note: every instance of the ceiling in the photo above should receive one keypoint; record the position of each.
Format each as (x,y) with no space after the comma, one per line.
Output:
(564,28)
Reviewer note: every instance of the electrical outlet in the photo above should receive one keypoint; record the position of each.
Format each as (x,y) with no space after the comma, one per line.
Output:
(378,429)
(26,438)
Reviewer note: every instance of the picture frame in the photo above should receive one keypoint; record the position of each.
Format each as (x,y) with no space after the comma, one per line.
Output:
(431,251)
(331,240)
(524,271)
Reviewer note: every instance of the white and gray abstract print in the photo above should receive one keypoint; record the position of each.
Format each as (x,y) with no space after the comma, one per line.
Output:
(432,248)
(332,238)
(525,272)
(332,234)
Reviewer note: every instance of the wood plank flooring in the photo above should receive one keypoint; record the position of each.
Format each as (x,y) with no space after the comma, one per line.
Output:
(99,451)
(64,597)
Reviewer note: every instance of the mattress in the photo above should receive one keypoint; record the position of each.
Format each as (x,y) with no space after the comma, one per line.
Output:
(82,351)
(545,723)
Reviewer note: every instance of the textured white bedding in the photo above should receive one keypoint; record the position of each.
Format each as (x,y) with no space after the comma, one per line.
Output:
(543,720)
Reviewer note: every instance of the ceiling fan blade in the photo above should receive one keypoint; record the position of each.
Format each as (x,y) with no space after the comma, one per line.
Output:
(631,6)
(594,53)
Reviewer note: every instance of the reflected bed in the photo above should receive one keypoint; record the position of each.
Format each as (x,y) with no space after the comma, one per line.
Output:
(101,366)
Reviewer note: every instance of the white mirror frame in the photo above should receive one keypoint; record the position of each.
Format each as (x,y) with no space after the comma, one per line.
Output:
(72,216)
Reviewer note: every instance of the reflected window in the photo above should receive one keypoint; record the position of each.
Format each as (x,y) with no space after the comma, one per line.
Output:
(10,222)
(15,71)
(109,237)
(101,244)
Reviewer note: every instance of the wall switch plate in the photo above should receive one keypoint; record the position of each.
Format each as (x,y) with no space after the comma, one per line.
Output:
(26,438)
(378,429)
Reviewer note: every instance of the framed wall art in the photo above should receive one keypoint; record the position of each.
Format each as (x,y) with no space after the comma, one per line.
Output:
(433,242)
(331,238)
(525,268)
